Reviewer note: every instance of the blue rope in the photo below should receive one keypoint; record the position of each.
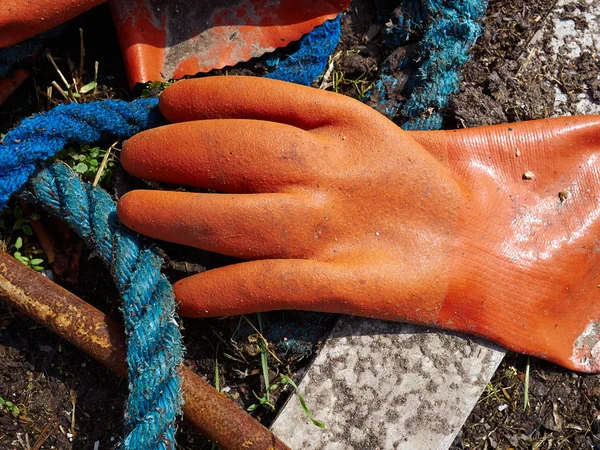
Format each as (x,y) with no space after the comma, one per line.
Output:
(451,29)
(310,59)
(154,350)
(42,136)
(407,21)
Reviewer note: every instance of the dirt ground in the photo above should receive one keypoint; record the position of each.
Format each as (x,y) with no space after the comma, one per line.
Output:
(65,400)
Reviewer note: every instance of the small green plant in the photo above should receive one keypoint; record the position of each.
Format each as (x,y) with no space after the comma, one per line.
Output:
(263,358)
(29,261)
(85,89)
(262,401)
(153,88)
(15,225)
(214,446)
(265,399)
(360,84)
(22,223)
(511,372)
(493,392)
(88,161)
(10,406)
(284,381)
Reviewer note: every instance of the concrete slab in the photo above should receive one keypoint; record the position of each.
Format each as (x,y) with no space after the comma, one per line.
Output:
(573,27)
(384,385)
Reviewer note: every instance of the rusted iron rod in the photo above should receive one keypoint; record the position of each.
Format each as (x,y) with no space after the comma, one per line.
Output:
(101,337)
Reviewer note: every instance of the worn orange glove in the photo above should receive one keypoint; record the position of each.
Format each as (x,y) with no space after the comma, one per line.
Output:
(22,19)
(492,231)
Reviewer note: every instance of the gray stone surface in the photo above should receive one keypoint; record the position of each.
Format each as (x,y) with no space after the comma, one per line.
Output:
(384,385)
(568,41)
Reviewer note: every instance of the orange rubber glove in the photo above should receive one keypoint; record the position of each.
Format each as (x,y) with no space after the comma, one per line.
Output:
(492,231)
(22,19)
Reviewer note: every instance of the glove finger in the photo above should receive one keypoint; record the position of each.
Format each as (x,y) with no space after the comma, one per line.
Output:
(227,155)
(258,98)
(344,286)
(248,226)
(261,286)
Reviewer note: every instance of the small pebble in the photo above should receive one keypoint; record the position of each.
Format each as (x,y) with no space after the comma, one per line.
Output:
(502,407)
(562,196)
(529,175)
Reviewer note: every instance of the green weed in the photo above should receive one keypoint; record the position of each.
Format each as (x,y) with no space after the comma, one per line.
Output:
(18,227)
(93,164)
(153,88)
(283,381)
(22,224)
(214,446)
(262,401)
(263,358)
(28,260)
(10,406)
(263,344)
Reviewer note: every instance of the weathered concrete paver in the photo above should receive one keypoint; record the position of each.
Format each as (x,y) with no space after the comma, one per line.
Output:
(384,385)
(573,27)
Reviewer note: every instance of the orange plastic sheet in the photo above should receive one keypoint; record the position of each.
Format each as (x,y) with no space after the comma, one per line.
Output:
(162,40)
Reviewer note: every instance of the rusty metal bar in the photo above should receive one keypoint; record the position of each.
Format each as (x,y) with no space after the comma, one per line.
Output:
(101,337)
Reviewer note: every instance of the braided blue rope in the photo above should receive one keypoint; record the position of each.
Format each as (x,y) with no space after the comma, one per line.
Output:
(407,21)
(42,136)
(154,350)
(451,29)
(310,59)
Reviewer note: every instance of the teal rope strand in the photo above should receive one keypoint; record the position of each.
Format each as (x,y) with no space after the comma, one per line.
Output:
(154,349)
(453,29)
(154,342)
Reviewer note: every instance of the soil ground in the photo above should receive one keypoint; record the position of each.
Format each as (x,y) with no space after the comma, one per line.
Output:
(65,400)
